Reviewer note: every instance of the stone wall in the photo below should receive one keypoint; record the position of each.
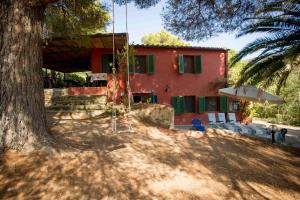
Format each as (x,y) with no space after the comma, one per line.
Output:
(51,93)
(156,113)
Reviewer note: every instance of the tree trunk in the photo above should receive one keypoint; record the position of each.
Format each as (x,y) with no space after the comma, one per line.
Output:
(22,114)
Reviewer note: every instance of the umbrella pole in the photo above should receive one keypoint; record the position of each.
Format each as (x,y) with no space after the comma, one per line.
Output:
(299,109)
(277,114)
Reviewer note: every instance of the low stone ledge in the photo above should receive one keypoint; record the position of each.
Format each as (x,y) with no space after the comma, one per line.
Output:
(156,113)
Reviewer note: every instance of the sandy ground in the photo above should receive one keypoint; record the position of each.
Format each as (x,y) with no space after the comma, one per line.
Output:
(152,163)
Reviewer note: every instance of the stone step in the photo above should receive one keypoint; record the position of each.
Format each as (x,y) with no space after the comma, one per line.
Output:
(55,92)
(69,101)
(76,102)
(76,107)
(76,98)
(76,114)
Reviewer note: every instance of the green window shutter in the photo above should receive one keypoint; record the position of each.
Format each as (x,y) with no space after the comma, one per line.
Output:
(180,104)
(131,68)
(197,61)
(201,104)
(150,64)
(180,64)
(223,104)
(105,64)
(131,65)
(154,99)
(175,105)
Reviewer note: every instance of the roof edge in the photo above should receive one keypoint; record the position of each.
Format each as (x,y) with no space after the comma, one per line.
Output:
(181,47)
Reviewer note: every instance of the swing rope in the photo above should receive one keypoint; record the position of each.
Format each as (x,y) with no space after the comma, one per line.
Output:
(114,115)
(128,71)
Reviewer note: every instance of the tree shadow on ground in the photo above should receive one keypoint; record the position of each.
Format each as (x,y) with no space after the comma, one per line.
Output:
(249,167)
(152,163)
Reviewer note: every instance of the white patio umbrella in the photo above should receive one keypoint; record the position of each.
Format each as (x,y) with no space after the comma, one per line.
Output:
(250,93)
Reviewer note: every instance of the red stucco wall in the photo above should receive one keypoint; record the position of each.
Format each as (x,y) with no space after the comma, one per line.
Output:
(166,76)
(187,84)
(74,91)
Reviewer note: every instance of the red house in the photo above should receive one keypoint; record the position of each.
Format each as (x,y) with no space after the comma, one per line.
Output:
(188,78)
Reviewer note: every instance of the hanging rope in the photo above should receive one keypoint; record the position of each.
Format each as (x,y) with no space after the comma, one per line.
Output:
(127,65)
(114,114)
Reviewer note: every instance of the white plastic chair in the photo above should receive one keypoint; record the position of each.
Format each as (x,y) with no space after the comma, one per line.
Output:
(244,128)
(232,118)
(212,119)
(229,126)
(221,118)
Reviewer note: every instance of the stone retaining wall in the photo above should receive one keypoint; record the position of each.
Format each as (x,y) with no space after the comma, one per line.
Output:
(156,113)
(50,93)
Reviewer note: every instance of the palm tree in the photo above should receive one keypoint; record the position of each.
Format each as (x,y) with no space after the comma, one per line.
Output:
(279,49)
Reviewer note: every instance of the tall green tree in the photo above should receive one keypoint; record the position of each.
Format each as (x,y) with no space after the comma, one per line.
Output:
(201,19)
(288,113)
(234,72)
(162,38)
(279,48)
(22,114)
(75,17)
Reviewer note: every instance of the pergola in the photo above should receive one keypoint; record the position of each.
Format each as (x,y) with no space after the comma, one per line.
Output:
(73,54)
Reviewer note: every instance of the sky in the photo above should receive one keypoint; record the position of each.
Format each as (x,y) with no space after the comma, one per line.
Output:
(145,21)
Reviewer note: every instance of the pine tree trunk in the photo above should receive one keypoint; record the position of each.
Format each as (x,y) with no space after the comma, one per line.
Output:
(22,115)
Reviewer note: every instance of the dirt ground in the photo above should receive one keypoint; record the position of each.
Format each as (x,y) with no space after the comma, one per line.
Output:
(152,163)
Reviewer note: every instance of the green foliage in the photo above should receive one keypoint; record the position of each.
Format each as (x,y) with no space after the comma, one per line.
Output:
(58,78)
(163,38)
(279,48)
(139,3)
(288,113)
(75,17)
(78,78)
(121,58)
(198,20)
(119,110)
(234,73)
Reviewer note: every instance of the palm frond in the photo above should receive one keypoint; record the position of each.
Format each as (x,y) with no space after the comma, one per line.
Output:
(280,22)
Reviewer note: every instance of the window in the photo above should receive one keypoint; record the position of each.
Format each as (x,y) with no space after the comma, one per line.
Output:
(189,104)
(188,62)
(140,64)
(144,98)
(234,106)
(107,63)
(183,104)
(137,98)
(211,103)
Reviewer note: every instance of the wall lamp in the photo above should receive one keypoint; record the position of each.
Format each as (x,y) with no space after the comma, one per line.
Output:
(167,88)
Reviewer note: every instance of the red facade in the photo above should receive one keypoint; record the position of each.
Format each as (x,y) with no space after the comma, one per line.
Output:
(166,81)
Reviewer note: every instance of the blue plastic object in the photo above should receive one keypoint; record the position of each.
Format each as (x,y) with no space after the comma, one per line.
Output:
(197,124)
(279,137)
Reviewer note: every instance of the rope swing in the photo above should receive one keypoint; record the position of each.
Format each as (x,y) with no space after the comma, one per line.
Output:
(114,113)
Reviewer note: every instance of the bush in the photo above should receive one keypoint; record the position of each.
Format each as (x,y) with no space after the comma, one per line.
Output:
(288,113)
